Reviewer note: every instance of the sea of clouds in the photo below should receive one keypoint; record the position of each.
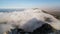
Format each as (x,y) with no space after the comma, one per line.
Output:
(28,19)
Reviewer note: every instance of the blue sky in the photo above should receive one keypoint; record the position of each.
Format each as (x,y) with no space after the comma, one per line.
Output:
(29,3)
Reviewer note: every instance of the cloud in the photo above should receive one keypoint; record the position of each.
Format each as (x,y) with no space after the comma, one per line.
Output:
(28,18)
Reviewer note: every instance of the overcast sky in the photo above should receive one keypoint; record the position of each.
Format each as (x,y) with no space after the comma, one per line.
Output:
(29,3)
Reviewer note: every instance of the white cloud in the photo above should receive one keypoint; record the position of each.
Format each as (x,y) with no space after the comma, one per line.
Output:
(28,18)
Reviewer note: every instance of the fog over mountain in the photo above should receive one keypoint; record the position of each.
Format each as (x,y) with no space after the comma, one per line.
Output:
(27,19)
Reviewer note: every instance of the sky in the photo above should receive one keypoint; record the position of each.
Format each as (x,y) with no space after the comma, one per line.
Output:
(29,3)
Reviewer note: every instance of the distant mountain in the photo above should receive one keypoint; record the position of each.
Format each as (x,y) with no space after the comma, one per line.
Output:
(55,13)
(10,10)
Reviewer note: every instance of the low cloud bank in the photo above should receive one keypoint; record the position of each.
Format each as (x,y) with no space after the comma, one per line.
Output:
(28,19)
